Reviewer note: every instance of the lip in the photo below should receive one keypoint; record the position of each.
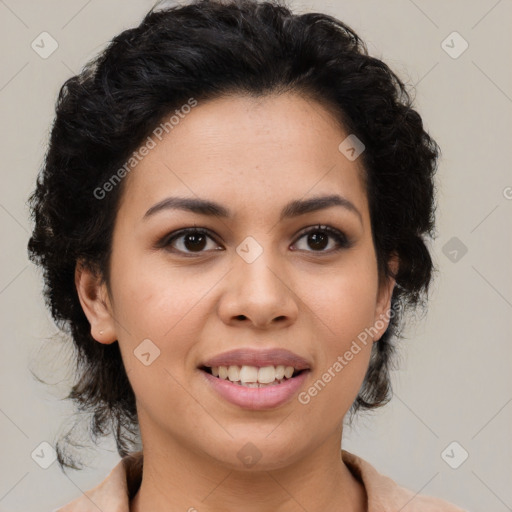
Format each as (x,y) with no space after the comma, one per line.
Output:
(256,399)
(258,357)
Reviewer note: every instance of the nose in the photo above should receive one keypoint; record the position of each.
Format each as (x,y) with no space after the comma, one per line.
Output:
(258,295)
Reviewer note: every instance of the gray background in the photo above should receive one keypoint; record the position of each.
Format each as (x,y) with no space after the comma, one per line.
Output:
(454,382)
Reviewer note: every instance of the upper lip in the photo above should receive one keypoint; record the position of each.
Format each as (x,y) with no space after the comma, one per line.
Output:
(258,357)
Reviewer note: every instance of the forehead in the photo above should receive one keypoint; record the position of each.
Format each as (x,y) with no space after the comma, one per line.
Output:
(248,153)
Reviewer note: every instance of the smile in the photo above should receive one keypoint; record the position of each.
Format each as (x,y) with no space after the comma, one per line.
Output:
(253,376)
(255,388)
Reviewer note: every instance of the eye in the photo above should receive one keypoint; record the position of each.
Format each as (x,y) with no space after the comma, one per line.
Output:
(195,240)
(318,238)
(191,240)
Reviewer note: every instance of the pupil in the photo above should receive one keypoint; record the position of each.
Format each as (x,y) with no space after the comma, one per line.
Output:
(195,241)
(318,240)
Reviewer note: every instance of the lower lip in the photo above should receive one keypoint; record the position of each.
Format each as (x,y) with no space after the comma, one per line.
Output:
(256,398)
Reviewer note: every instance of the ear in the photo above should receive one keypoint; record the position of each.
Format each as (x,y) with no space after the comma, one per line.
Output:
(383,305)
(95,301)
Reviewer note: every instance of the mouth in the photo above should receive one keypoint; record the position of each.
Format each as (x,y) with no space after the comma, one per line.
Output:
(254,376)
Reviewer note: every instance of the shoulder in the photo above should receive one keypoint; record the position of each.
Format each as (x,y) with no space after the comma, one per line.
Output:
(385,495)
(111,495)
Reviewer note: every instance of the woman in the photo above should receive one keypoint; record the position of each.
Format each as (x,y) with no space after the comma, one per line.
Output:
(231,221)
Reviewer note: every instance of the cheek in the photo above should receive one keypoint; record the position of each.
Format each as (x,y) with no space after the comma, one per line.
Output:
(156,304)
(168,305)
(344,300)
(344,312)
(152,298)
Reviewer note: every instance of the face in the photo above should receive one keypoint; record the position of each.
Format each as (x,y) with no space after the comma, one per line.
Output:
(259,275)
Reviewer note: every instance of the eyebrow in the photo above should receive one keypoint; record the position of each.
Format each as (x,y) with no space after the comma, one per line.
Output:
(292,209)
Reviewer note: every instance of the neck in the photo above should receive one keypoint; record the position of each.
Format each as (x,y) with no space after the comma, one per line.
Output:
(185,480)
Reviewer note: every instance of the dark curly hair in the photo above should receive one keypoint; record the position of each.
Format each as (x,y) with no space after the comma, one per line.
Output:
(208,49)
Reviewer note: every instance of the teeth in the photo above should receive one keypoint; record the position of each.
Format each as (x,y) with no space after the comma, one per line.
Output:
(267,374)
(247,374)
(252,376)
(233,373)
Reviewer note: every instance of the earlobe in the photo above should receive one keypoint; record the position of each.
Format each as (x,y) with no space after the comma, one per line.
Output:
(382,312)
(93,296)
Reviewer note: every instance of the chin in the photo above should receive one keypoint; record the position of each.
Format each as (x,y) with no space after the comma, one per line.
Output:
(257,452)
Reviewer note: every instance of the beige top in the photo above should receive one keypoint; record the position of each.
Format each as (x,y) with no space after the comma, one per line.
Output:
(384,495)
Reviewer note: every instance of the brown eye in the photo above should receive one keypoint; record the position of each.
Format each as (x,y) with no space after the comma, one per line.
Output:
(194,241)
(317,238)
(189,241)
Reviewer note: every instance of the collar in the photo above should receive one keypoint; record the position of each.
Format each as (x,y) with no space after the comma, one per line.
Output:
(116,491)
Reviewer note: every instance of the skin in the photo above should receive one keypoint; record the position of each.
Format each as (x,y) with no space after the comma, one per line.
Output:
(252,156)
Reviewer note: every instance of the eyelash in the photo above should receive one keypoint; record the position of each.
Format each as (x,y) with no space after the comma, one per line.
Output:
(339,236)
